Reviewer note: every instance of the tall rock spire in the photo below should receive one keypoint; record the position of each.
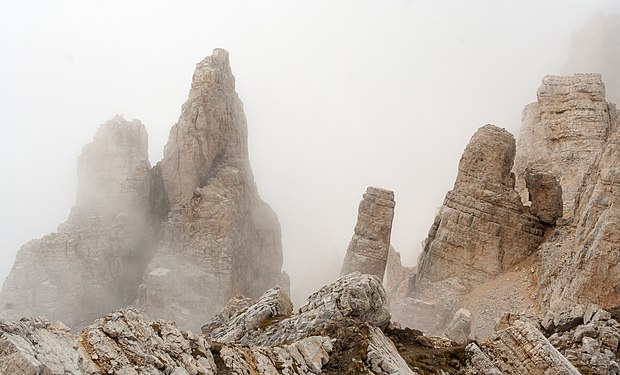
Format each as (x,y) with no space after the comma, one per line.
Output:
(220,238)
(370,245)
(178,239)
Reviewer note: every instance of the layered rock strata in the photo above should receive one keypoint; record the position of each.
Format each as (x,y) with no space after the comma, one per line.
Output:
(564,133)
(369,247)
(94,263)
(482,228)
(178,240)
(574,136)
(520,348)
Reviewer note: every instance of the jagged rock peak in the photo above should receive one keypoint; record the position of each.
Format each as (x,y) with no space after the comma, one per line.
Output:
(190,232)
(113,171)
(211,132)
(214,70)
(220,238)
(94,263)
(369,247)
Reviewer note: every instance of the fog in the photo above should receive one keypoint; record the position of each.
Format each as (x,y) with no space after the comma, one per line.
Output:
(338,95)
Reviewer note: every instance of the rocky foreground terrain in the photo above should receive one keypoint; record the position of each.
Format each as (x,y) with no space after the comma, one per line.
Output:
(344,328)
(176,268)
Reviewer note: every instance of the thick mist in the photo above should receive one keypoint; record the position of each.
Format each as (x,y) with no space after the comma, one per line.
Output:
(339,95)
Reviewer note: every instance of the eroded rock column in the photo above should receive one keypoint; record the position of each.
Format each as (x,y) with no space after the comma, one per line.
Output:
(369,247)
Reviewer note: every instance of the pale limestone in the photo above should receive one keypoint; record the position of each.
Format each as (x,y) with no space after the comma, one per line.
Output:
(220,238)
(369,247)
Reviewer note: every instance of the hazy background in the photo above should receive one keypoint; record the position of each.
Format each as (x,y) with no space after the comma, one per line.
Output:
(338,95)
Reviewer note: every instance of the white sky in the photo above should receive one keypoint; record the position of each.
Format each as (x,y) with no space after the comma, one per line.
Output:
(338,95)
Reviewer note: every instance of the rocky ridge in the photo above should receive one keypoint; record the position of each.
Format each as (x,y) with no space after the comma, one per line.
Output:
(178,240)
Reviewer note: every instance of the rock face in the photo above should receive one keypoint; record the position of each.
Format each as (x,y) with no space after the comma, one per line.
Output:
(565,132)
(557,250)
(220,238)
(369,247)
(482,228)
(577,130)
(178,240)
(94,263)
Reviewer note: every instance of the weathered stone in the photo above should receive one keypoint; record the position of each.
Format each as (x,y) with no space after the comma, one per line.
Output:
(306,356)
(272,307)
(220,238)
(369,247)
(482,228)
(352,298)
(545,193)
(459,328)
(127,342)
(479,363)
(383,357)
(36,346)
(521,349)
(94,263)
(564,133)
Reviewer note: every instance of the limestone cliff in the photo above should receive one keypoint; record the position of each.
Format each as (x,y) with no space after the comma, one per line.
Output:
(220,238)
(178,239)
(94,263)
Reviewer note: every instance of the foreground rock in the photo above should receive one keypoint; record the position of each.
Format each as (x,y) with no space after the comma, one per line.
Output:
(336,331)
(370,245)
(178,240)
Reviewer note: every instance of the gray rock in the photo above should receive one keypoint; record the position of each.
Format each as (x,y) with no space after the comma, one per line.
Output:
(459,328)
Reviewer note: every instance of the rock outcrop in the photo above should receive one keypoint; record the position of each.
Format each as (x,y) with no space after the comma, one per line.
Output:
(520,348)
(556,250)
(220,238)
(564,133)
(369,247)
(460,327)
(577,130)
(178,240)
(545,195)
(269,321)
(482,229)
(94,263)
(336,332)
